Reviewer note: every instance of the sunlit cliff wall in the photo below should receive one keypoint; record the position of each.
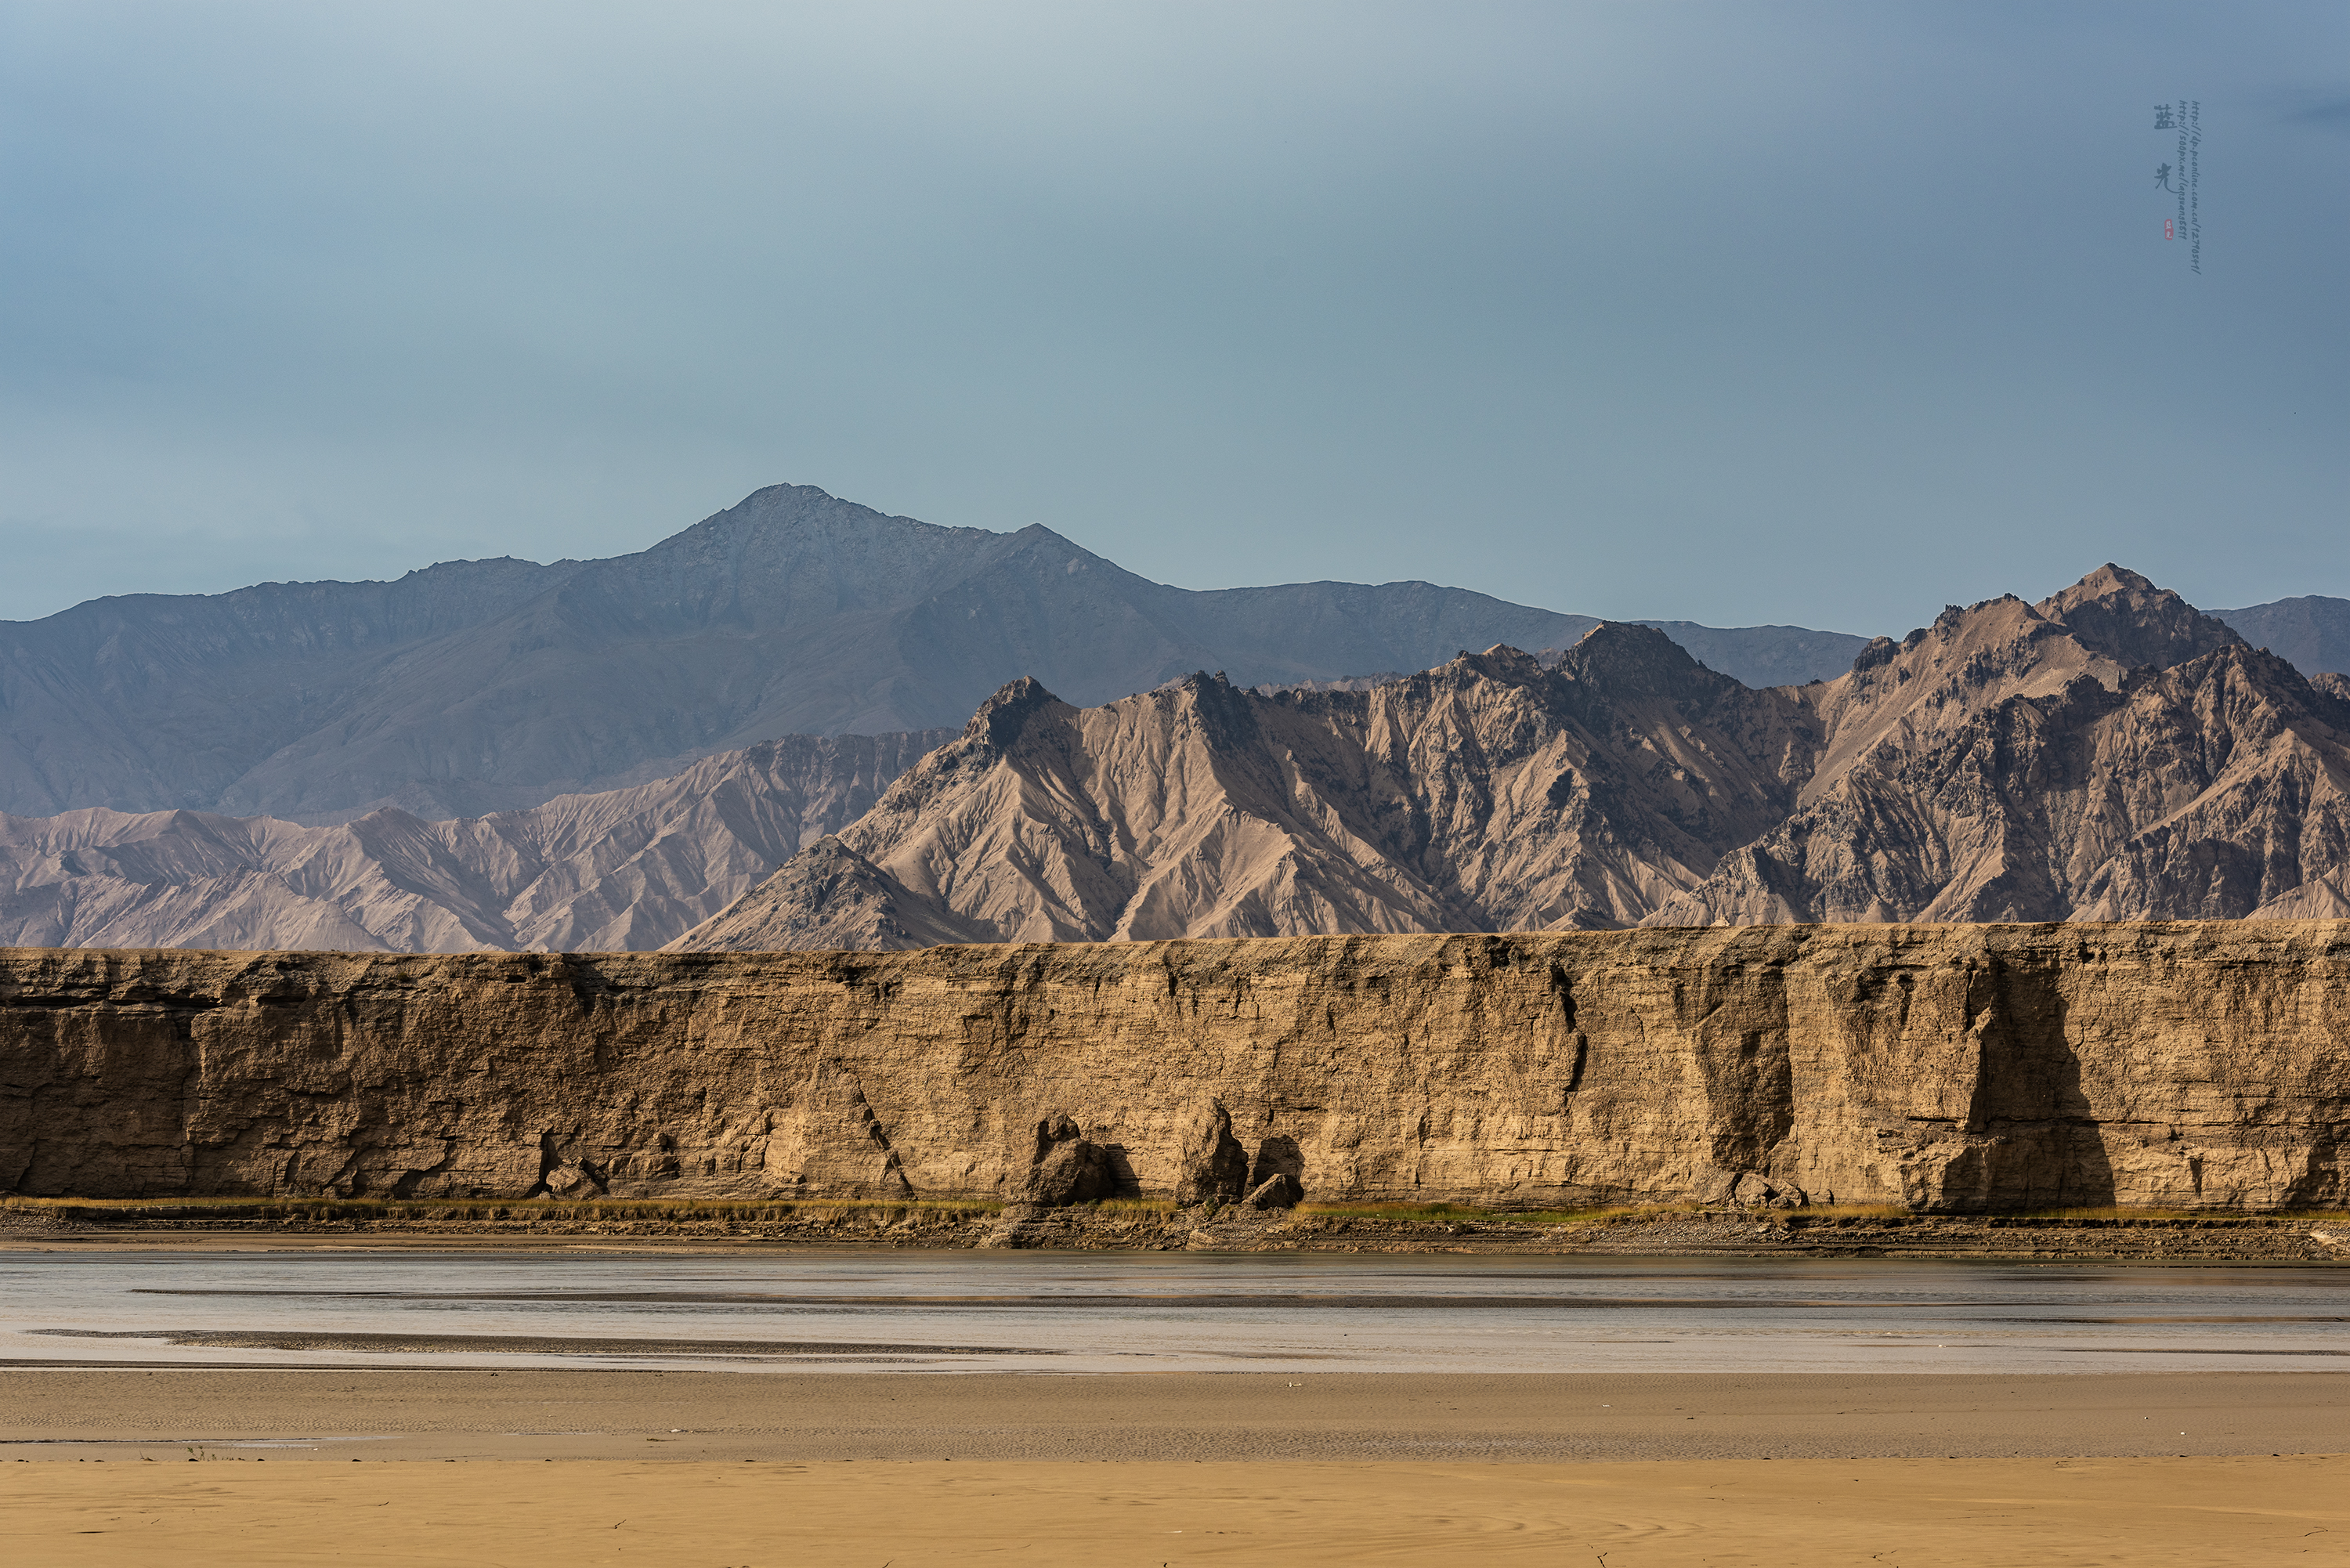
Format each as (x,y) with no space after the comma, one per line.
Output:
(1944,1067)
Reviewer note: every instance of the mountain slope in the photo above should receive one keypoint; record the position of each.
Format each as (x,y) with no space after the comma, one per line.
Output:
(153,701)
(1767,655)
(624,869)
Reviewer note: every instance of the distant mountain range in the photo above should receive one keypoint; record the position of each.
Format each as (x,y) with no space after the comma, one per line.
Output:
(2107,753)
(475,687)
(600,756)
(483,685)
(2312,633)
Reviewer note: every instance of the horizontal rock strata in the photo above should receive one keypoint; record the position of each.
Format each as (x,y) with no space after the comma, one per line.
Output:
(1950,1068)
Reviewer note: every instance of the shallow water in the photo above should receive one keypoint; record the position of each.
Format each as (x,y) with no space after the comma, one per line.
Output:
(1121,1313)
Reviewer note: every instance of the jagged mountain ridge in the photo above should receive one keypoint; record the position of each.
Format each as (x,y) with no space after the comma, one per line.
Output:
(1492,792)
(486,686)
(2135,759)
(619,871)
(2009,761)
(2107,752)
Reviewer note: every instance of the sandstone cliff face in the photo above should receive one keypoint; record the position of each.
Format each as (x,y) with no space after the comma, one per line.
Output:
(1944,1067)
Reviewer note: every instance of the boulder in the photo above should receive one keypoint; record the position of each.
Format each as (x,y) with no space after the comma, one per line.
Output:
(1757,1191)
(568,1181)
(1280,1191)
(1213,1167)
(1278,1157)
(1065,1168)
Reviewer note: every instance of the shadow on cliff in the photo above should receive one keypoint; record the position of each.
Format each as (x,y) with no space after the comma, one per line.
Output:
(1735,1017)
(2034,1138)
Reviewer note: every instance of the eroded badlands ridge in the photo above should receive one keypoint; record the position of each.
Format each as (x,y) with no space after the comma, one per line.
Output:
(2108,754)
(1944,1067)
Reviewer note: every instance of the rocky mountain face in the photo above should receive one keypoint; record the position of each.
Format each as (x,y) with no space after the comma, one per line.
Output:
(622,869)
(1492,792)
(1939,1068)
(2109,753)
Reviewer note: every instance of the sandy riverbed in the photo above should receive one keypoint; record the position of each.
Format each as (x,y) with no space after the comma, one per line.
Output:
(1817,1513)
(200,1466)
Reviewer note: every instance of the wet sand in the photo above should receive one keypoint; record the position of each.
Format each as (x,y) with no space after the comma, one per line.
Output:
(337,1414)
(1822,1513)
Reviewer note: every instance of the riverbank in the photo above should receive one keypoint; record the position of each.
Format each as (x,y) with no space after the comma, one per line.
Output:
(2109,1235)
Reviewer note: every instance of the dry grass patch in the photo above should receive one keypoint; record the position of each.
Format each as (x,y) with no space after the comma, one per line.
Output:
(520,1210)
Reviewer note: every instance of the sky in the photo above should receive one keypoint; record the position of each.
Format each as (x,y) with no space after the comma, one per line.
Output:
(1827,314)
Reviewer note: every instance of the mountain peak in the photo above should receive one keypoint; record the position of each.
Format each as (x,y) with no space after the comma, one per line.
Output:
(1634,657)
(2117,613)
(1002,716)
(2111,577)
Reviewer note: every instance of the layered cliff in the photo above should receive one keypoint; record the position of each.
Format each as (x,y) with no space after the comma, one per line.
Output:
(1942,1067)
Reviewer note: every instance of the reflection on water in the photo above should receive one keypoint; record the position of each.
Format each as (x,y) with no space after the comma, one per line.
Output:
(1093,1312)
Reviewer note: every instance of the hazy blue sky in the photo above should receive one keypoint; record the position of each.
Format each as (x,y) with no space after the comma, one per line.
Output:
(1826,313)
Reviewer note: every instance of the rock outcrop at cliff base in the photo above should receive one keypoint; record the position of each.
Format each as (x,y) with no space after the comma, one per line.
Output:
(1940,1067)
